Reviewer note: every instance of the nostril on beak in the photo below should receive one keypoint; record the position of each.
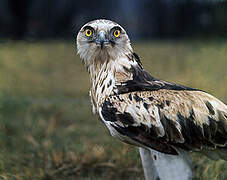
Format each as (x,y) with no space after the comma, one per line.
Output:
(101,38)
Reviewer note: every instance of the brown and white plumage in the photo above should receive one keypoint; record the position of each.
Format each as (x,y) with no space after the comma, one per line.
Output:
(142,110)
(166,119)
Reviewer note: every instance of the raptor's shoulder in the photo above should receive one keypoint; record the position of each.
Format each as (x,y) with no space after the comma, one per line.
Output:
(144,81)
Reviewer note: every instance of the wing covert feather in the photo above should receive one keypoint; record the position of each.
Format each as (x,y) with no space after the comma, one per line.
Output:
(164,119)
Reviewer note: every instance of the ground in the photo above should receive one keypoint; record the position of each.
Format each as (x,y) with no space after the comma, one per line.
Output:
(47,130)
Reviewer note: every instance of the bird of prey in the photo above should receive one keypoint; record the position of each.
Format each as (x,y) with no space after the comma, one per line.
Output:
(164,119)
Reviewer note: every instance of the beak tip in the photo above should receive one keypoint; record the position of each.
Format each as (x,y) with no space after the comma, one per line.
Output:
(101,39)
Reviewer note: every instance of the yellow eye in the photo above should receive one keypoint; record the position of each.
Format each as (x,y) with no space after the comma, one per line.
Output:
(117,33)
(88,32)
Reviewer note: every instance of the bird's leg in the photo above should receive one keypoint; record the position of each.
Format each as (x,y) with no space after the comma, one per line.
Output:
(169,167)
(160,166)
(148,164)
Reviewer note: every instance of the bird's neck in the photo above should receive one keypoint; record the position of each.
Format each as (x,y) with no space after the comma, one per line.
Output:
(106,76)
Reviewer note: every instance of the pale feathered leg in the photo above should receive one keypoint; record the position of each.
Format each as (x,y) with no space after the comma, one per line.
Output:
(149,168)
(160,166)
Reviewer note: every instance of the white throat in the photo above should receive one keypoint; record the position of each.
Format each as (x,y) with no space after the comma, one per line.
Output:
(106,76)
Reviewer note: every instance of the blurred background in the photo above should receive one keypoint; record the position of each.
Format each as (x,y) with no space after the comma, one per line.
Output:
(47,130)
(145,19)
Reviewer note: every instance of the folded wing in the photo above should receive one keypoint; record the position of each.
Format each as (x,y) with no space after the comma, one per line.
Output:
(167,119)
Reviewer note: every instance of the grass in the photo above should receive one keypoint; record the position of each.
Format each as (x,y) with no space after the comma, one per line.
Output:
(47,130)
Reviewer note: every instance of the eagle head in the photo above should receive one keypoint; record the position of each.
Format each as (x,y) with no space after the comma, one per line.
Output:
(101,40)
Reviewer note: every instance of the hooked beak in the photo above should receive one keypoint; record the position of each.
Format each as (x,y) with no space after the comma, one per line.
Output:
(101,39)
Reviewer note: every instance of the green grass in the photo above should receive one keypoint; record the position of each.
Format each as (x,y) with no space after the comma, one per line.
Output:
(47,130)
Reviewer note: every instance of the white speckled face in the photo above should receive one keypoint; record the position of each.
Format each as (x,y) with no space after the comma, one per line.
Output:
(101,40)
